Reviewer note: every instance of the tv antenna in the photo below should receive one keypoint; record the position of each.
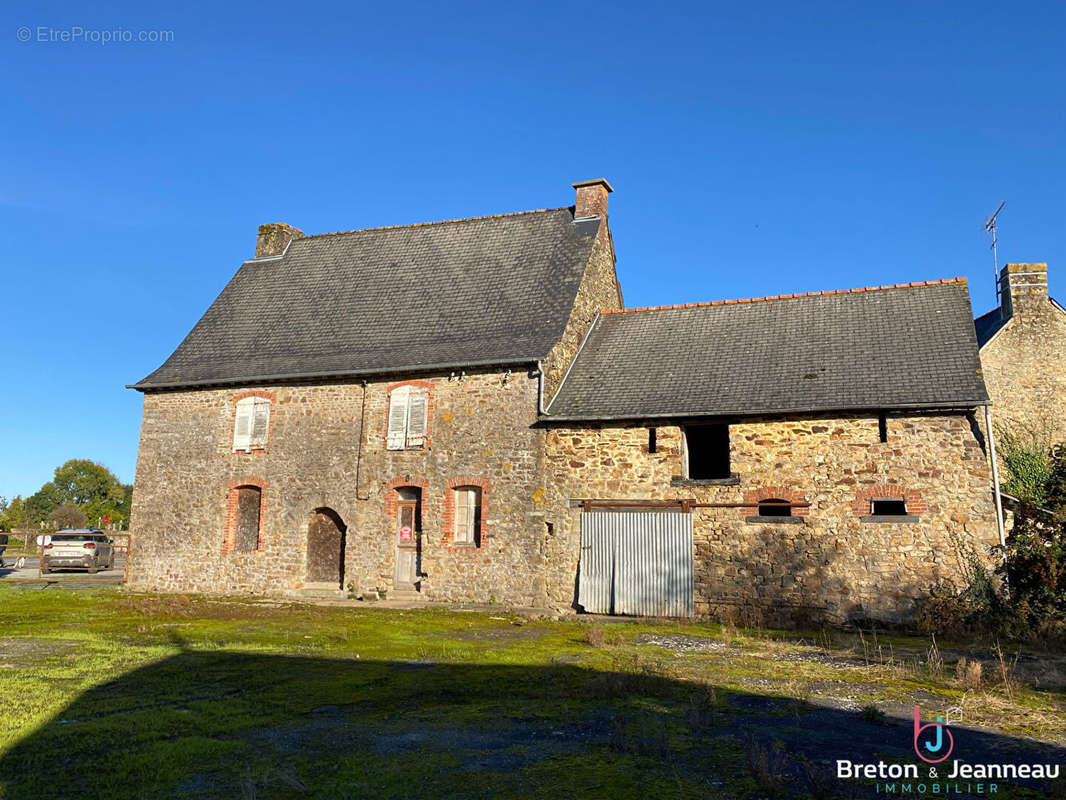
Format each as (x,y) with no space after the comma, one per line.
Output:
(990,227)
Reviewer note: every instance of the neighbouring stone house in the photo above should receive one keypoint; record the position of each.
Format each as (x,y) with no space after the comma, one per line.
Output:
(462,411)
(1023,354)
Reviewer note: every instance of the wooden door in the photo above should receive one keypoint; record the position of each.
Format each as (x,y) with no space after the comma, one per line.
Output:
(407,544)
(325,548)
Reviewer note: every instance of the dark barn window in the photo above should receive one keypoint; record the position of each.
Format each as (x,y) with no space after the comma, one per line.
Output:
(707,448)
(652,440)
(888,508)
(882,428)
(775,507)
(249,500)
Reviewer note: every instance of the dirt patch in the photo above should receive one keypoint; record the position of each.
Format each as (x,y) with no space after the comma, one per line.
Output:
(503,633)
(818,657)
(23,653)
(679,643)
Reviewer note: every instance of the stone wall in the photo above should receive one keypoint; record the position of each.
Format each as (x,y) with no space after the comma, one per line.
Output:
(831,564)
(1024,364)
(481,426)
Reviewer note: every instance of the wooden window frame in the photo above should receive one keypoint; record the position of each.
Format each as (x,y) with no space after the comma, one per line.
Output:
(482,535)
(253,400)
(398,434)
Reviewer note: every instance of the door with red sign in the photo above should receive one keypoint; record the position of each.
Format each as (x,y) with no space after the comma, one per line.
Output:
(408,540)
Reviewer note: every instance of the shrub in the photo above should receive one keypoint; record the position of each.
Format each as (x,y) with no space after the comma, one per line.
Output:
(979,607)
(1035,569)
(871,713)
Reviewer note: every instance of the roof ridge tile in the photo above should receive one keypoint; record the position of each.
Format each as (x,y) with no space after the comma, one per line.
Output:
(826,292)
(431,223)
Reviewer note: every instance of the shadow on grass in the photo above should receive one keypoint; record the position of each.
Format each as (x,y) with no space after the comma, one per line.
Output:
(229,724)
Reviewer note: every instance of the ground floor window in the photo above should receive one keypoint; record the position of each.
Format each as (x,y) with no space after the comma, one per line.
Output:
(888,508)
(775,507)
(467,515)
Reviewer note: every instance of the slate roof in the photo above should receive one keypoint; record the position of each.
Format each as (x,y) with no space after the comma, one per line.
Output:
(906,346)
(992,322)
(988,325)
(450,294)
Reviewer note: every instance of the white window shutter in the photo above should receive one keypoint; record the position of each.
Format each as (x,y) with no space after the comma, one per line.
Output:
(242,429)
(418,408)
(260,422)
(397,434)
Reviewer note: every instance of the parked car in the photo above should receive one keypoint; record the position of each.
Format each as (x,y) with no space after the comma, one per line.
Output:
(87,549)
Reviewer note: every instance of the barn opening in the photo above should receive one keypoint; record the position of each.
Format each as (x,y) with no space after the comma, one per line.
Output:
(707,451)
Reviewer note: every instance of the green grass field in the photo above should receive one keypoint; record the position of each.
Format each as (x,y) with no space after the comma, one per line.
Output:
(111,695)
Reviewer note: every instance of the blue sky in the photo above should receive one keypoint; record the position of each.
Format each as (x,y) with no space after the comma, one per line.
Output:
(755,148)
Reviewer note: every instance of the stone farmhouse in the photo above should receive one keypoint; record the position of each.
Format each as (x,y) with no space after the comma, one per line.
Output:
(1023,352)
(465,411)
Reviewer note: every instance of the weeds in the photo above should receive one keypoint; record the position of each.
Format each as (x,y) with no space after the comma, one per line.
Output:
(602,636)
(1005,671)
(968,674)
(934,661)
(820,782)
(872,714)
(768,768)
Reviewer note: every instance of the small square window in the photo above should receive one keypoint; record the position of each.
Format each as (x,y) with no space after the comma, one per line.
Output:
(775,507)
(888,508)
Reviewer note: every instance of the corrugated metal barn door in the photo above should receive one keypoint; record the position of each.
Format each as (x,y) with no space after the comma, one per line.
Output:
(636,563)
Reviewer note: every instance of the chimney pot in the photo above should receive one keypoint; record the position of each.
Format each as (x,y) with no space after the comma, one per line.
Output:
(274,237)
(1023,289)
(591,198)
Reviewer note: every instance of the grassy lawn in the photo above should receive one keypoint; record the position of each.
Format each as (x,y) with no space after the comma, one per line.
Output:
(111,695)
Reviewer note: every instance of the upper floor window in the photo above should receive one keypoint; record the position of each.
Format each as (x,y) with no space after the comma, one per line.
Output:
(408,412)
(468,515)
(252,424)
(707,452)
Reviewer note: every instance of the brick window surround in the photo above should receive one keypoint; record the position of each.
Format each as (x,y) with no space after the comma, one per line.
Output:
(448,521)
(912,497)
(273,398)
(405,482)
(430,402)
(753,496)
(232,495)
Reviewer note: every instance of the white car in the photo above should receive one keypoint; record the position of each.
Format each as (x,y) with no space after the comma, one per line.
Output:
(87,549)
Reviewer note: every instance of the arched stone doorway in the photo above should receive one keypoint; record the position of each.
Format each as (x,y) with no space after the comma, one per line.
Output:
(325,548)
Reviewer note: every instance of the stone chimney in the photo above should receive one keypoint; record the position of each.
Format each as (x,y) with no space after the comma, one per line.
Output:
(591,198)
(274,237)
(1023,290)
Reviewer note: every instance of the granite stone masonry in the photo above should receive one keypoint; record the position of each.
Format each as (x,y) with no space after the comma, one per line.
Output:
(424,411)
(831,564)
(321,455)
